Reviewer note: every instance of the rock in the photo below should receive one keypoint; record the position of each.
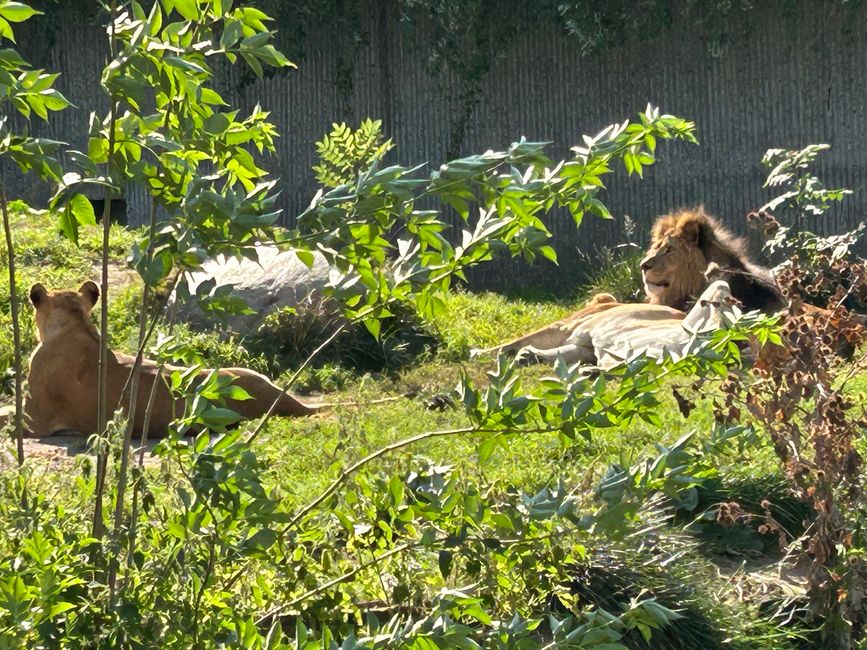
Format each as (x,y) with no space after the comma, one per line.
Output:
(279,279)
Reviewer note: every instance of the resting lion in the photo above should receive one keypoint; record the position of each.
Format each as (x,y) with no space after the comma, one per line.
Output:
(603,337)
(683,245)
(687,248)
(64,371)
(554,335)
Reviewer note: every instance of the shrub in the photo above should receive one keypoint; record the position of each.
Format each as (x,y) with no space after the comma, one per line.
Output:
(288,336)
(615,269)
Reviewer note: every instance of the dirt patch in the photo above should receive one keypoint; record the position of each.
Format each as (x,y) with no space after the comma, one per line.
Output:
(119,276)
(56,451)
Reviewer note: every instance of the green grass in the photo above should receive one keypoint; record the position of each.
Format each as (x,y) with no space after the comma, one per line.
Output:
(484,320)
(302,456)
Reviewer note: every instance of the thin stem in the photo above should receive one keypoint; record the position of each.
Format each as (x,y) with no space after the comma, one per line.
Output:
(16,331)
(102,401)
(127,438)
(338,580)
(209,569)
(146,425)
(292,380)
(133,526)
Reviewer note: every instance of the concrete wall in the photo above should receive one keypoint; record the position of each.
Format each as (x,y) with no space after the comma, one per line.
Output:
(788,81)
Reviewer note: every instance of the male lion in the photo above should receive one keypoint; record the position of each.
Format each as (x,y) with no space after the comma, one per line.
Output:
(607,336)
(683,245)
(64,372)
(554,335)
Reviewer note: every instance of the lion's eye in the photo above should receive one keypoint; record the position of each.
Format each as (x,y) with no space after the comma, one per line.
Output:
(668,250)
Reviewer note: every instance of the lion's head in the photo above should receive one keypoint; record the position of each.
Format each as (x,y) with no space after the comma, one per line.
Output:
(683,245)
(59,311)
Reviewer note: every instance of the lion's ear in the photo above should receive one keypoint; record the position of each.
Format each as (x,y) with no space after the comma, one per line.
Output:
(90,292)
(37,294)
(690,230)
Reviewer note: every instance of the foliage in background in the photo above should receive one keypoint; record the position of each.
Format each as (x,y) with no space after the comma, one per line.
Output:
(388,247)
(790,224)
(345,152)
(797,398)
(459,41)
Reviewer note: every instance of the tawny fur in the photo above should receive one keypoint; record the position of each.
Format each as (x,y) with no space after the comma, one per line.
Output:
(607,338)
(554,334)
(64,369)
(684,244)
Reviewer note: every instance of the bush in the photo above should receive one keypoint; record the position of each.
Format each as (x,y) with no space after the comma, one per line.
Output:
(615,270)
(288,336)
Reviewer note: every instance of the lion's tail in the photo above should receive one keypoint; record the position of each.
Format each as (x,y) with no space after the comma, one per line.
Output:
(264,393)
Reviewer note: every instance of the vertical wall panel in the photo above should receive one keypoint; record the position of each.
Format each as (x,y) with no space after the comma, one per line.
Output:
(790,81)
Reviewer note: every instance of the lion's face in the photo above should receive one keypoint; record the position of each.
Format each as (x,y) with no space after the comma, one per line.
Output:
(673,268)
(57,310)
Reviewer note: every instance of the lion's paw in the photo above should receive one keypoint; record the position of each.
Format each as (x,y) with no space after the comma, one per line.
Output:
(528,356)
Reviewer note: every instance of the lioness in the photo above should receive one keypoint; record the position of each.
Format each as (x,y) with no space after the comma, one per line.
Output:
(64,371)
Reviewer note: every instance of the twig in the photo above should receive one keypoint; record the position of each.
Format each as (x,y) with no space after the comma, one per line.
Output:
(102,401)
(16,331)
(285,389)
(361,463)
(209,569)
(133,382)
(336,581)
(133,527)
(375,560)
(371,457)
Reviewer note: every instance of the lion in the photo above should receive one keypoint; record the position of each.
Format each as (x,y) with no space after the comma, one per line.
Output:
(684,244)
(689,251)
(553,335)
(625,330)
(64,372)
(689,247)
(606,337)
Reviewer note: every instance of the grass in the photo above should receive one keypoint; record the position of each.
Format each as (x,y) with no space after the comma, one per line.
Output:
(302,456)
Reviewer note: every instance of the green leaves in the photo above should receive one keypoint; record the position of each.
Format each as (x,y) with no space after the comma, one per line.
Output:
(29,91)
(16,12)
(13,12)
(78,211)
(807,193)
(503,198)
(344,152)
(189,9)
(169,134)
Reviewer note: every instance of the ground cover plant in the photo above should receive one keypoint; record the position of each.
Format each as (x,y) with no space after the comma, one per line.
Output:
(493,506)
